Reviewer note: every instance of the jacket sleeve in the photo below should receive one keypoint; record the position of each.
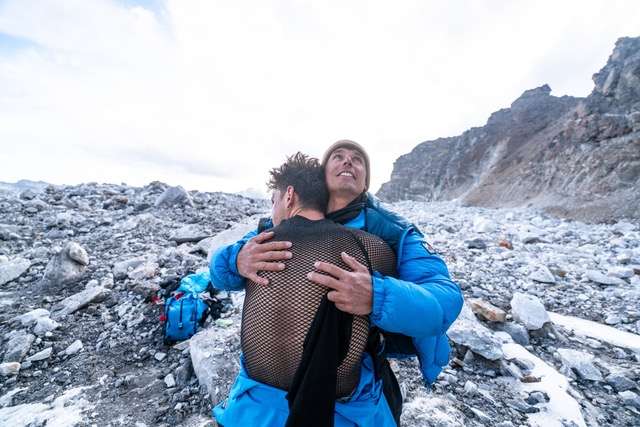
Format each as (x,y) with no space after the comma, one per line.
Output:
(423,301)
(223,268)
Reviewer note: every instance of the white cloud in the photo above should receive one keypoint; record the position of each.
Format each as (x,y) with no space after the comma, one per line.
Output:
(211,95)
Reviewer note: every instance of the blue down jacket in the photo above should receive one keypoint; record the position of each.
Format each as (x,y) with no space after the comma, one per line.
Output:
(421,303)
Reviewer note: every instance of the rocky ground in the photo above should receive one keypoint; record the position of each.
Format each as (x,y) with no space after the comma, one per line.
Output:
(548,336)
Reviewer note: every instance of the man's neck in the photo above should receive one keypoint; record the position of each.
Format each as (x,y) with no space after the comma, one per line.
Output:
(311,214)
(339,201)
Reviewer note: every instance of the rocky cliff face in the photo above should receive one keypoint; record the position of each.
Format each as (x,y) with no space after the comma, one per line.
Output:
(575,157)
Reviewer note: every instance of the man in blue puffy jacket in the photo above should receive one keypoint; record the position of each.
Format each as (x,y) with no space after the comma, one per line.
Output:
(410,313)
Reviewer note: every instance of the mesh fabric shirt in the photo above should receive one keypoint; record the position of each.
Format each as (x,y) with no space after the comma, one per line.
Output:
(277,317)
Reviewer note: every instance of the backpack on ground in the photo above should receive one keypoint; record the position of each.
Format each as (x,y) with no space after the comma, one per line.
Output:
(187,304)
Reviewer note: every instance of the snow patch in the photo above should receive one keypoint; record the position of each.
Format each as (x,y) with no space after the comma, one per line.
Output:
(598,331)
(64,411)
(561,406)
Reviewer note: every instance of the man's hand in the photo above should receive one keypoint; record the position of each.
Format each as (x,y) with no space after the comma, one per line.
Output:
(256,255)
(352,291)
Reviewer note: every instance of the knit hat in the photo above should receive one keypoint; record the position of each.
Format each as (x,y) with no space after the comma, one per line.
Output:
(352,145)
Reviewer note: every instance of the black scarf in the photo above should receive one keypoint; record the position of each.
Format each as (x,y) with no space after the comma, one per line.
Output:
(352,210)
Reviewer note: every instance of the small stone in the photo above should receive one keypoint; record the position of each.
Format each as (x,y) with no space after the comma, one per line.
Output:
(160,356)
(483,225)
(30,318)
(602,279)
(505,244)
(543,275)
(470,388)
(41,355)
(476,243)
(529,238)
(170,381)
(188,233)
(536,397)
(121,269)
(10,368)
(581,363)
(612,319)
(147,270)
(529,311)
(620,272)
(487,310)
(44,325)
(78,253)
(517,332)
(74,348)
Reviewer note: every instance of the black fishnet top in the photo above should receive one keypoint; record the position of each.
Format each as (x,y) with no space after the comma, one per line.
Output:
(276,318)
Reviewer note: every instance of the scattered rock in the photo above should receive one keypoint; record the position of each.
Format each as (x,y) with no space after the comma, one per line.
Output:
(44,325)
(80,300)
(10,368)
(41,355)
(30,318)
(602,279)
(630,398)
(74,348)
(543,275)
(581,363)
(517,332)
(121,269)
(620,382)
(487,310)
(64,268)
(11,270)
(174,196)
(529,311)
(188,233)
(476,243)
(18,346)
(78,254)
(505,244)
(170,381)
(467,331)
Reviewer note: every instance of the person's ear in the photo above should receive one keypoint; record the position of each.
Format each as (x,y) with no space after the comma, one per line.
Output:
(289,196)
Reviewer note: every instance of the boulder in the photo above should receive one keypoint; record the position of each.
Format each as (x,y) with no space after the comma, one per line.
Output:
(66,267)
(174,196)
(528,310)
(469,332)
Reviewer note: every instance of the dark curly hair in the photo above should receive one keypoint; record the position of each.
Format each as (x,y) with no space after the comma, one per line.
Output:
(306,176)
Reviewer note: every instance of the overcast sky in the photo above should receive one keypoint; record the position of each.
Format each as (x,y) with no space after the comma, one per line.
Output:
(212,94)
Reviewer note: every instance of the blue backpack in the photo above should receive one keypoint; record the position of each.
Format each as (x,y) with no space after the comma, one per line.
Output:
(185,310)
